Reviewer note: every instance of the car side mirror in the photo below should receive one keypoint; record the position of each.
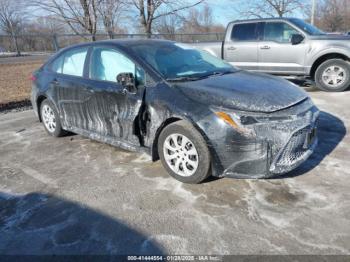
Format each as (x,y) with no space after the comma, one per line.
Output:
(297,39)
(127,80)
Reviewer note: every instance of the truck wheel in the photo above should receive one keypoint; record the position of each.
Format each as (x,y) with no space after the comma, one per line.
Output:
(51,119)
(184,152)
(333,75)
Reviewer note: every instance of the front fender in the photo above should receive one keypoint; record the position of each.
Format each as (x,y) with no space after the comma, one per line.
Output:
(342,50)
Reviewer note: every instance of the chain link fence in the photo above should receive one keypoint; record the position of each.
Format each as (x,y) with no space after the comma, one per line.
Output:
(51,43)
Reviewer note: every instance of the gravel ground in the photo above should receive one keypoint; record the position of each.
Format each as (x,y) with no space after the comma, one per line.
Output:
(75,196)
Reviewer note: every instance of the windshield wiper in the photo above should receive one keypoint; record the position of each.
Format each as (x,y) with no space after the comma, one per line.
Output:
(182,79)
(198,77)
(217,74)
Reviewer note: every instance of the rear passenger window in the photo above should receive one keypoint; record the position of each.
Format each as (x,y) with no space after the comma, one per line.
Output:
(57,64)
(70,62)
(244,32)
(74,62)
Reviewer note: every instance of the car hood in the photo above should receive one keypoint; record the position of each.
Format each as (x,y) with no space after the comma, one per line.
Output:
(330,37)
(244,91)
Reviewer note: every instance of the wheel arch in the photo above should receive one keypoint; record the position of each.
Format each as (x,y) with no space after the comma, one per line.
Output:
(166,122)
(216,167)
(324,58)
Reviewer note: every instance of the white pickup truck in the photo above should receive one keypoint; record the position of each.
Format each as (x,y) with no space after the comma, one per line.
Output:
(288,47)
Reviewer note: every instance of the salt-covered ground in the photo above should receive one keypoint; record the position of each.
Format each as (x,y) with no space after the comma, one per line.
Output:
(72,196)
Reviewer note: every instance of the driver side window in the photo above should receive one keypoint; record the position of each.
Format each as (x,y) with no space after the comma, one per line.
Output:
(106,64)
(279,32)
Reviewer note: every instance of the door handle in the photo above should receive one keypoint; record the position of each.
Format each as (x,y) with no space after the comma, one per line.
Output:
(231,48)
(55,82)
(265,47)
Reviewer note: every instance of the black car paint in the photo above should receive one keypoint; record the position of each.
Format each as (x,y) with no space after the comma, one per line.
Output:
(233,91)
(106,112)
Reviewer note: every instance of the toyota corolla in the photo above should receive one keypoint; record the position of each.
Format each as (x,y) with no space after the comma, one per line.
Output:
(196,113)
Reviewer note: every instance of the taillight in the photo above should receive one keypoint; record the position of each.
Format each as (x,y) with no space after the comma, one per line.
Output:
(32,77)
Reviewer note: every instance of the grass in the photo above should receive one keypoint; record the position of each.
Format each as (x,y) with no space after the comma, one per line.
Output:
(15,83)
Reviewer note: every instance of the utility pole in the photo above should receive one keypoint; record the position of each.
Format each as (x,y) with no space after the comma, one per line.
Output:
(313,10)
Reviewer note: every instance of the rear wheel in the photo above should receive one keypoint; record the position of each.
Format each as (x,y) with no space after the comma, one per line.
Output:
(333,75)
(50,119)
(184,152)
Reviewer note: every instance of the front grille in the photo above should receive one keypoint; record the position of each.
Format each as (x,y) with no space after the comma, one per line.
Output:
(298,148)
(295,149)
(290,140)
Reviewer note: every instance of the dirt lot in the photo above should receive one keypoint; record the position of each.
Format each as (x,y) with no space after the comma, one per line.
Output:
(14,77)
(75,196)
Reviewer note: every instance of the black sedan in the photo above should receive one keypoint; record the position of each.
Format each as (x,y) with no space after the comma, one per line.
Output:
(195,112)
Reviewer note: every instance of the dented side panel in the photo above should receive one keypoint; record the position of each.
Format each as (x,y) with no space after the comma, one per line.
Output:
(104,111)
(100,107)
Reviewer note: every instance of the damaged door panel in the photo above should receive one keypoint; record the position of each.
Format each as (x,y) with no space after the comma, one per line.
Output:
(112,112)
(197,114)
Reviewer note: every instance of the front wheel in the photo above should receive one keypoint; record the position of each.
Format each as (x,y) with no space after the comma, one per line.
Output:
(184,153)
(333,75)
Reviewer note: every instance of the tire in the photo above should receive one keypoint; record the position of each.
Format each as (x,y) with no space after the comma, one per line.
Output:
(187,161)
(51,119)
(337,69)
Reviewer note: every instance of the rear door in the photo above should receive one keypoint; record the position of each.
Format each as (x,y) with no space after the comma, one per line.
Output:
(277,55)
(71,86)
(241,47)
(112,109)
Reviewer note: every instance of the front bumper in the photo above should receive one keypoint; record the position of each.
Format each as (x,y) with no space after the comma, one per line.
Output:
(280,144)
(267,164)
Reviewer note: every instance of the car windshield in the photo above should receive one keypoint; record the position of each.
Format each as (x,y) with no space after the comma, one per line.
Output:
(306,27)
(181,62)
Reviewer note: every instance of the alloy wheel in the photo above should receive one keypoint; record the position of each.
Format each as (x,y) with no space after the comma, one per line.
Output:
(334,76)
(180,155)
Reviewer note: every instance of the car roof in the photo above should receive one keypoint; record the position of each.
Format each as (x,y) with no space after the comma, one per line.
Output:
(126,42)
(264,19)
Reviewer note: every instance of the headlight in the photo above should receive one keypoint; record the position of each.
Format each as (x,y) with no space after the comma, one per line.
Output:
(234,121)
(228,119)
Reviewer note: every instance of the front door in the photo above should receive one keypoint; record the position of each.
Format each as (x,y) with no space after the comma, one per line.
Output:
(113,109)
(277,55)
(241,48)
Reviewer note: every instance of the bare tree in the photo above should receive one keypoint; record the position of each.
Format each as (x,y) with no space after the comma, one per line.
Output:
(201,21)
(333,15)
(333,18)
(168,25)
(207,18)
(271,8)
(151,10)
(110,12)
(50,24)
(11,20)
(79,15)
